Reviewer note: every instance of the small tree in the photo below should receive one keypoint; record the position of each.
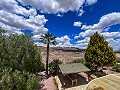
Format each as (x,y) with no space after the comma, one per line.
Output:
(53,66)
(48,39)
(98,53)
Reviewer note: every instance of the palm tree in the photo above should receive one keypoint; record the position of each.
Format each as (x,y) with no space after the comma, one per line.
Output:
(49,40)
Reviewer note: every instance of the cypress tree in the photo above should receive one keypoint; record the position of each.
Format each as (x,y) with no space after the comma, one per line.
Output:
(98,53)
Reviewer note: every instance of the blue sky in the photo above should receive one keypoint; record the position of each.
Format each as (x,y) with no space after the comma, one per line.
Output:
(72,21)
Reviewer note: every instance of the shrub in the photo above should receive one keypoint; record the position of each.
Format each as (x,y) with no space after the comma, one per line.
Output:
(82,60)
(19,53)
(53,66)
(116,68)
(99,74)
(118,60)
(17,80)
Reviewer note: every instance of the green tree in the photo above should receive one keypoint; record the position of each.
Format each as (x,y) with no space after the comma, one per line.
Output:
(98,53)
(16,80)
(48,39)
(19,52)
(53,66)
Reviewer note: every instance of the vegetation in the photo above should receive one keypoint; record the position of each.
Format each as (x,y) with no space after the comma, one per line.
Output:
(116,68)
(53,66)
(19,52)
(49,40)
(118,59)
(82,60)
(17,80)
(98,53)
(99,74)
(19,60)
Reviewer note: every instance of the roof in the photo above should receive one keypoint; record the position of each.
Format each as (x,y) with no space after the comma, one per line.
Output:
(109,82)
(73,68)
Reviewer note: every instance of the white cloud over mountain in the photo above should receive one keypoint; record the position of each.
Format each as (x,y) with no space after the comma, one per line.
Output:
(64,41)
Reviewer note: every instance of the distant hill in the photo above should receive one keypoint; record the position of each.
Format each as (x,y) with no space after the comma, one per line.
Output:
(65,54)
(66,49)
(69,49)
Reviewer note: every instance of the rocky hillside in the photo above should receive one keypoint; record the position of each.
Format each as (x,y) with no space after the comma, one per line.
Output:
(66,54)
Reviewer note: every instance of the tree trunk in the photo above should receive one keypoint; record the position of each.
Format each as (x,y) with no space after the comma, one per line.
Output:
(47,58)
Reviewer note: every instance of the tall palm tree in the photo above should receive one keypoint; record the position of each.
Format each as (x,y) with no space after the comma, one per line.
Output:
(49,40)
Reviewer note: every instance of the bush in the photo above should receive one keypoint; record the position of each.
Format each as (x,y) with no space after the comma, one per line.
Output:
(118,60)
(19,53)
(53,66)
(82,60)
(116,68)
(99,74)
(17,80)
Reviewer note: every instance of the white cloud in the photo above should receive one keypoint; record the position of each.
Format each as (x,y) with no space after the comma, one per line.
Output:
(81,45)
(108,35)
(87,33)
(36,36)
(105,21)
(63,41)
(103,27)
(56,6)
(77,24)
(81,12)
(13,7)
(85,40)
(35,23)
(90,2)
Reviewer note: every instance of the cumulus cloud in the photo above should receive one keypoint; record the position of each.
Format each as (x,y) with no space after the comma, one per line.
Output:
(90,2)
(77,24)
(105,21)
(12,18)
(108,35)
(64,41)
(56,6)
(102,27)
(87,33)
(13,7)
(81,45)
(85,40)
(15,22)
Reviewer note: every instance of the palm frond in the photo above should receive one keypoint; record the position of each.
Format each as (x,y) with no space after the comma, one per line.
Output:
(54,42)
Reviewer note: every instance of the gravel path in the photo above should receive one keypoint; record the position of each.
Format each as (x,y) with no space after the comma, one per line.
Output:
(48,84)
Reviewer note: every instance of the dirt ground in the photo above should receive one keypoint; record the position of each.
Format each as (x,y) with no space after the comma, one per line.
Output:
(48,84)
(63,56)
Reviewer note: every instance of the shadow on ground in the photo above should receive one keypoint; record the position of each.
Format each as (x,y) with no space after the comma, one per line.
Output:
(67,83)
